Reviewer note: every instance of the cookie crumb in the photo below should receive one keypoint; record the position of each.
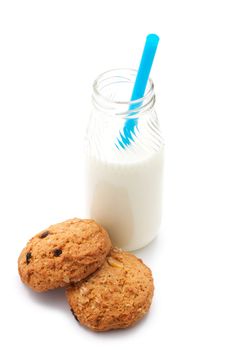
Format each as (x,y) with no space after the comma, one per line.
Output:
(44,234)
(28,257)
(57,252)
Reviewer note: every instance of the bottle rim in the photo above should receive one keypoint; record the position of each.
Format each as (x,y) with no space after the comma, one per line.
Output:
(118,106)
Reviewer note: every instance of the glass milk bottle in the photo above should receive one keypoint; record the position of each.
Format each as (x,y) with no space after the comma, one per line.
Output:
(124,172)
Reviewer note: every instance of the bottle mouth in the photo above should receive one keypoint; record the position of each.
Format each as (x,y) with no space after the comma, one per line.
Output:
(112,92)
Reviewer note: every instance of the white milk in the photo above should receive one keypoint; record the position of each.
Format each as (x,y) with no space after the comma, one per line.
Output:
(125,197)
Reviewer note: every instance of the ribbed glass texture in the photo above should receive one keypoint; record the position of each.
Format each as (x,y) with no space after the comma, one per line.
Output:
(111,108)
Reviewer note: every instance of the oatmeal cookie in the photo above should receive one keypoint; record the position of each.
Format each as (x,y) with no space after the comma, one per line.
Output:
(117,295)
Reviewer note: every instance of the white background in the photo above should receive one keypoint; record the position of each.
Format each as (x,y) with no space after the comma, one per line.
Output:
(50,52)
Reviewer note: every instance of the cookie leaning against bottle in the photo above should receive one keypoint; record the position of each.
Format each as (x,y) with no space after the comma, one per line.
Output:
(62,254)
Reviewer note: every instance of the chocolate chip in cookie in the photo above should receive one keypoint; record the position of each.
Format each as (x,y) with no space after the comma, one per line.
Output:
(28,257)
(44,234)
(57,252)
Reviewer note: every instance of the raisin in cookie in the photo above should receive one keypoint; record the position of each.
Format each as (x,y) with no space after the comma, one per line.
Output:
(62,254)
(117,295)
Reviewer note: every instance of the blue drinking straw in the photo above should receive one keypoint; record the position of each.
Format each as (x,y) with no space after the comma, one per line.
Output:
(140,84)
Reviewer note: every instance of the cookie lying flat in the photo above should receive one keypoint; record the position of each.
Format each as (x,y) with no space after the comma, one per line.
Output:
(64,253)
(117,295)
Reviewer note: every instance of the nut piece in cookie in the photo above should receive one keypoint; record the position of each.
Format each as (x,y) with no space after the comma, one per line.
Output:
(117,295)
(64,253)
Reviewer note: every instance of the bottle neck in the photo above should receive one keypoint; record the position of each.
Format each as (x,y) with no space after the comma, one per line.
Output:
(112,94)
